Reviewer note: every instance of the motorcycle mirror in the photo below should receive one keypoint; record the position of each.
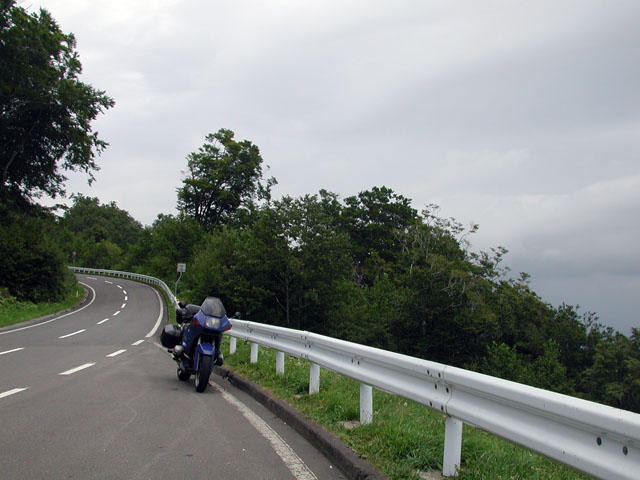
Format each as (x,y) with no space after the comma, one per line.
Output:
(236,315)
(182,304)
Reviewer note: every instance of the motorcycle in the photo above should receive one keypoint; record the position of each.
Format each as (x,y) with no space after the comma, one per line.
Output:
(195,342)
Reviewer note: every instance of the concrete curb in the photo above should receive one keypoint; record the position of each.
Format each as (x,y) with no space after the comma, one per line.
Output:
(354,467)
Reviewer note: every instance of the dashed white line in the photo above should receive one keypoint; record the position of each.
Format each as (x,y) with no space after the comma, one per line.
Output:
(77,369)
(125,292)
(11,351)
(102,321)
(123,305)
(114,354)
(116,313)
(119,286)
(12,392)
(107,281)
(137,343)
(91,278)
(74,333)
(126,298)
(294,463)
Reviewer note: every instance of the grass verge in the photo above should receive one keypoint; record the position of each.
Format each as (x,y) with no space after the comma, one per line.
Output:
(13,311)
(405,437)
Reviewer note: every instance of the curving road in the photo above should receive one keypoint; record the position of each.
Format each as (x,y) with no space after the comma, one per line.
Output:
(92,395)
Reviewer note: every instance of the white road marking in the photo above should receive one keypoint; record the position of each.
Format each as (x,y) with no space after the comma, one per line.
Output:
(77,369)
(57,318)
(116,313)
(126,298)
(119,286)
(155,327)
(11,351)
(294,463)
(107,281)
(137,343)
(74,333)
(125,293)
(91,278)
(102,321)
(11,392)
(114,354)
(123,305)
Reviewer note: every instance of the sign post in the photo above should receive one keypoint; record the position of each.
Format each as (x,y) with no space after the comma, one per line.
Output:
(182,267)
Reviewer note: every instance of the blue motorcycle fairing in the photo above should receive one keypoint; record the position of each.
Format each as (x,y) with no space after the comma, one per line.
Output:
(203,349)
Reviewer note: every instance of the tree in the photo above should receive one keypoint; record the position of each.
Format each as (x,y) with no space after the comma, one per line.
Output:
(33,266)
(100,234)
(88,218)
(372,219)
(224,178)
(170,240)
(45,110)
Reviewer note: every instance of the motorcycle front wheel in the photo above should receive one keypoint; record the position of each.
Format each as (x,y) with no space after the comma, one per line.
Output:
(203,373)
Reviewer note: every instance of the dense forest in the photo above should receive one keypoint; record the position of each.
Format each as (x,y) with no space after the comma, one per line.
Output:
(368,268)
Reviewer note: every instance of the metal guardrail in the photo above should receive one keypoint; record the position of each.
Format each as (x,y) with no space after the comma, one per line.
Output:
(595,439)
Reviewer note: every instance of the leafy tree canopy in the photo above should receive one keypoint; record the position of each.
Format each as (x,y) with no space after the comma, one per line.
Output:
(224,178)
(89,219)
(45,110)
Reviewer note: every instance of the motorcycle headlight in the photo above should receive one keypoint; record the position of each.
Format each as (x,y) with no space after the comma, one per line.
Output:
(212,322)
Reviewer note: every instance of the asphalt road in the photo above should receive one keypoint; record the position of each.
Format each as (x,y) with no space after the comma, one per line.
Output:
(92,395)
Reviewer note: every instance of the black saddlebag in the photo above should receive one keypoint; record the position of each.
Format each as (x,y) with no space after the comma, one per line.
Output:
(170,336)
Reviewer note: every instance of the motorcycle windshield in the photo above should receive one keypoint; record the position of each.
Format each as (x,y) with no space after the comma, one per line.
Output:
(212,307)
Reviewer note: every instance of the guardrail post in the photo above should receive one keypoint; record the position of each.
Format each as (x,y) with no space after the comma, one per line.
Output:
(254,353)
(232,345)
(314,379)
(279,363)
(452,447)
(366,404)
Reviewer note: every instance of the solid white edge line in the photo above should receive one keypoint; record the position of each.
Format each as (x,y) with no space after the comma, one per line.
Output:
(57,318)
(77,369)
(114,354)
(157,325)
(12,392)
(74,333)
(135,344)
(11,351)
(294,463)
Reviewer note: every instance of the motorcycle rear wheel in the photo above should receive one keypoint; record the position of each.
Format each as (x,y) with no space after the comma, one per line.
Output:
(203,373)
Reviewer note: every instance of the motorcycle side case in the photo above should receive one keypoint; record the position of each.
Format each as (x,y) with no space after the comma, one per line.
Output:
(170,336)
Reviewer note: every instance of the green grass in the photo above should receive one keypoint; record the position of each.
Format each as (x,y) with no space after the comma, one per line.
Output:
(12,311)
(404,437)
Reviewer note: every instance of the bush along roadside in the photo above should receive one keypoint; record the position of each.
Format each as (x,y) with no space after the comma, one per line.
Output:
(405,439)
(14,311)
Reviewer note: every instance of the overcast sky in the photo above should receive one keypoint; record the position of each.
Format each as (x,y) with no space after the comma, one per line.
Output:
(522,116)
